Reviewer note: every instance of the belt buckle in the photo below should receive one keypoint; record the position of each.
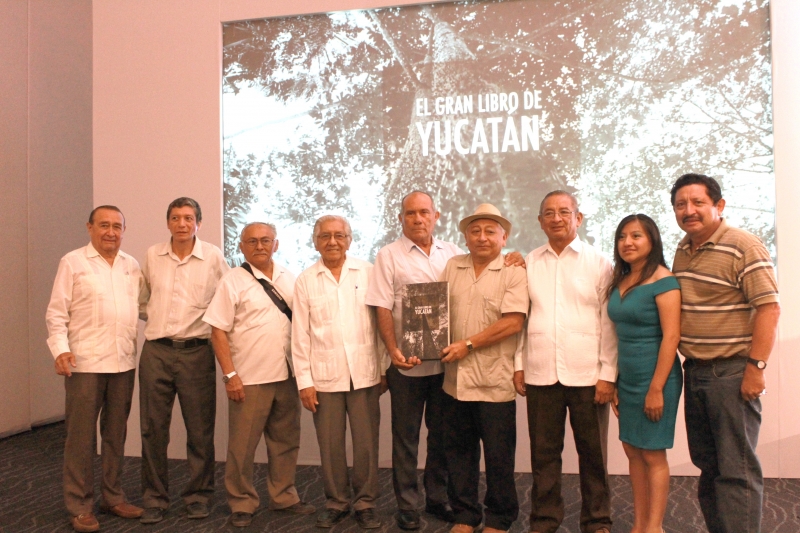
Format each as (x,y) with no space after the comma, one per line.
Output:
(179,344)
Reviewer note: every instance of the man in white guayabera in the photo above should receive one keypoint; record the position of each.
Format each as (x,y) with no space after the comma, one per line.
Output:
(91,321)
(340,365)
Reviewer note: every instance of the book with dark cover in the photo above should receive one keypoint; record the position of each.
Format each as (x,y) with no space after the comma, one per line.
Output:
(426,320)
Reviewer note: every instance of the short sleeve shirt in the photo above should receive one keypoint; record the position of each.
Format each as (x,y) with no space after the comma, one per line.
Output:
(487,373)
(722,283)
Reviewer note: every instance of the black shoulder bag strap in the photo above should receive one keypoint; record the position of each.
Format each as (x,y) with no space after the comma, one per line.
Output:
(272,292)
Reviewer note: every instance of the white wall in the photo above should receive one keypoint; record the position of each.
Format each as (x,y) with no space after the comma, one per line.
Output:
(46,172)
(155,100)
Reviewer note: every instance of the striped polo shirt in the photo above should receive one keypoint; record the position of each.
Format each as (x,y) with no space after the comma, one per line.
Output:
(722,283)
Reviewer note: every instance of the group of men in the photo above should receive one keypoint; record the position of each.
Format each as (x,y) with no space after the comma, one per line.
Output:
(329,340)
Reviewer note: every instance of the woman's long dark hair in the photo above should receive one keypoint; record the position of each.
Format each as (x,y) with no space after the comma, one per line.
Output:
(654,258)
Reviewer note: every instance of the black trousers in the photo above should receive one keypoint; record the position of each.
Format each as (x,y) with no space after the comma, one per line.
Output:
(547,413)
(466,425)
(410,397)
(190,373)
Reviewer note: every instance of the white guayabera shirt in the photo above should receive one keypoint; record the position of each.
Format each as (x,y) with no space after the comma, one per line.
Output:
(259,334)
(93,311)
(569,337)
(334,332)
(178,291)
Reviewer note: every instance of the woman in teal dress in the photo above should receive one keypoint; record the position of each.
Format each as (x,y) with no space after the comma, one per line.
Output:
(645,304)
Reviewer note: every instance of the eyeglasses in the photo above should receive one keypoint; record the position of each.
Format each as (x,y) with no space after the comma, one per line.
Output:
(327,236)
(266,242)
(562,213)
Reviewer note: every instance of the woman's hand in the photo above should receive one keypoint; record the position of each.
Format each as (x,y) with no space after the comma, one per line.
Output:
(654,405)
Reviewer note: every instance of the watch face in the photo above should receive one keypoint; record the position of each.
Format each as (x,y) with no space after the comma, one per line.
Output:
(761,364)
(225,379)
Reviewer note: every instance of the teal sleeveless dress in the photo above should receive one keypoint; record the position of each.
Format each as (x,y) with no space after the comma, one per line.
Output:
(639,334)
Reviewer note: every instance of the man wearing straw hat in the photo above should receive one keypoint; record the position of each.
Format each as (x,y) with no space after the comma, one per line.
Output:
(488,305)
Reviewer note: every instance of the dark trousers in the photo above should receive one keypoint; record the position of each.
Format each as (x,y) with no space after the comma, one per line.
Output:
(466,425)
(722,430)
(411,396)
(547,412)
(165,372)
(362,408)
(89,395)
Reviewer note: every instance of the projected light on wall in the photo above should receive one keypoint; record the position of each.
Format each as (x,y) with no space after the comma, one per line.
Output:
(495,102)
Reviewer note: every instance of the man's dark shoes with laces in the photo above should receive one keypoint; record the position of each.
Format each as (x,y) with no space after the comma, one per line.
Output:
(407,519)
(330,517)
(442,511)
(152,515)
(196,510)
(367,520)
(240,519)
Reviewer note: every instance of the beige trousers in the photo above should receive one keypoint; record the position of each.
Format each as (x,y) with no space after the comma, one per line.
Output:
(271,409)
(363,409)
(89,395)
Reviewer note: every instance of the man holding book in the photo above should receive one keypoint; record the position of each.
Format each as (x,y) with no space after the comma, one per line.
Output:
(488,305)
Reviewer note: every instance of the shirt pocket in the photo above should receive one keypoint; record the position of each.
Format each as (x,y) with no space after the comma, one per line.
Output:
(366,366)
(92,343)
(585,292)
(201,294)
(541,349)
(324,367)
(92,285)
(319,311)
(491,311)
(582,351)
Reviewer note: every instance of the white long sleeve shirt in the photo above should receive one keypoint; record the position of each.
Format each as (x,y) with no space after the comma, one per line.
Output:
(569,337)
(334,332)
(93,311)
(397,265)
(178,291)
(259,334)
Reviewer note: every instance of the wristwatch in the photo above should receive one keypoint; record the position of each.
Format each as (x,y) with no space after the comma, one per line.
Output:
(758,363)
(470,347)
(227,377)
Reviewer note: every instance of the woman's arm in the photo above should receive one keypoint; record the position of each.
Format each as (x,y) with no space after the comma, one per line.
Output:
(669,312)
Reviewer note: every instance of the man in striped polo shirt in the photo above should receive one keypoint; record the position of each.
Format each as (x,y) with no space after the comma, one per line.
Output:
(729,318)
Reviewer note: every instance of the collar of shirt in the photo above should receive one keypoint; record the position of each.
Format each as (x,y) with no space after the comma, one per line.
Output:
(409,245)
(575,245)
(348,265)
(277,270)
(465,261)
(685,242)
(92,252)
(197,250)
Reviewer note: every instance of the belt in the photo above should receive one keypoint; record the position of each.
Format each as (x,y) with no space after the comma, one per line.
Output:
(182,344)
(714,361)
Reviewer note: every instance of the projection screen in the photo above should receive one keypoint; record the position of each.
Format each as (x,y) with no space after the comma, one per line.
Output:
(495,102)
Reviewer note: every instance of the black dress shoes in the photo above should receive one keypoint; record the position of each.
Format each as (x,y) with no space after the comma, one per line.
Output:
(407,520)
(442,511)
(367,520)
(331,517)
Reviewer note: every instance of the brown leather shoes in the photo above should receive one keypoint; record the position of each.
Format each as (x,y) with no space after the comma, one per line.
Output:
(85,523)
(462,528)
(493,530)
(123,510)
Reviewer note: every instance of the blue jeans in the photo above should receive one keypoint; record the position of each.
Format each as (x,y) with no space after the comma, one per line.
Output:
(722,430)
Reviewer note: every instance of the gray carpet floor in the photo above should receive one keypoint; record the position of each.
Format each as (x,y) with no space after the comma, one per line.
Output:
(31,498)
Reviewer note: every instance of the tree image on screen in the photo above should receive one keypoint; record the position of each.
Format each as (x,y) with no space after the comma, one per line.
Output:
(495,102)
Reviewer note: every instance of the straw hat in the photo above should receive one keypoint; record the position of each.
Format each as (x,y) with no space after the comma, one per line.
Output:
(485,211)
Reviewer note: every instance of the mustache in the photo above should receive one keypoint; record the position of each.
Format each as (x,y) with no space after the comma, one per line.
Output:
(690,218)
